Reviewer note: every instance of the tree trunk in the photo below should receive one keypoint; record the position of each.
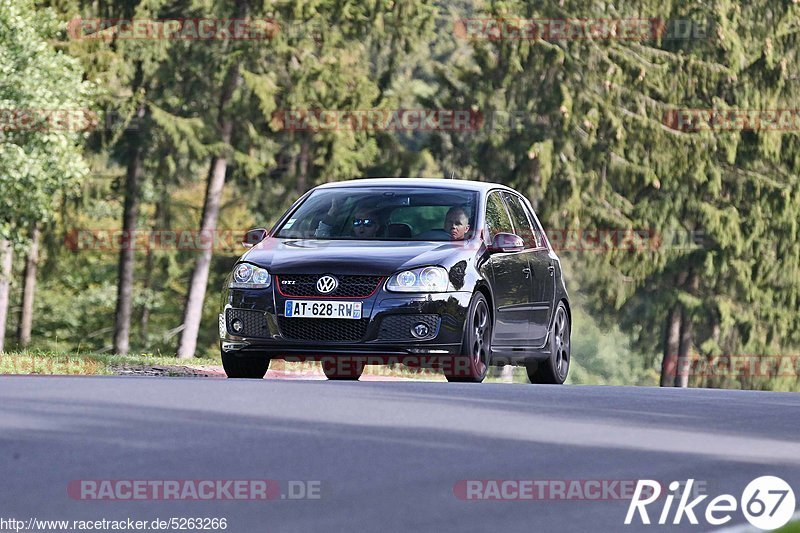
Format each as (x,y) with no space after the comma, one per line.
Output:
(684,351)
(216,180)
(29,290)
(686,338)
(149,264)
(302,165)
(127,253)
(144,320)
(536,181)
(6,256)
(669,363)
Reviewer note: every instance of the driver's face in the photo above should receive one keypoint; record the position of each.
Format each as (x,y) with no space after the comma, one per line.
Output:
(365,225)
(456,225)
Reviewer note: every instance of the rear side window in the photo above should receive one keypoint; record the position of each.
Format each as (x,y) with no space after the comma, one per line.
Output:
(522,224)
(538,232)
(497,218)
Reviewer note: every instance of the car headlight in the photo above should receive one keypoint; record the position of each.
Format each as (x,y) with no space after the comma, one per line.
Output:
(426,279)
(247,276)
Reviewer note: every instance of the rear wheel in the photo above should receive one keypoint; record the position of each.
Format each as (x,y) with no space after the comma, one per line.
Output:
(247,367)
(476,348)
(555,368)
(342,368)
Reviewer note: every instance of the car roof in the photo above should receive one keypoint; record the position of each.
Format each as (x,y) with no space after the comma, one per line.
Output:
(455,184)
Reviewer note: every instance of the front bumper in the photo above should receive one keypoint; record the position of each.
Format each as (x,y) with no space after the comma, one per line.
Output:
(385,318)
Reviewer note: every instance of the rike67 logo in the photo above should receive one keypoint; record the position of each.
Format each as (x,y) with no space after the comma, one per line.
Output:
(767,503)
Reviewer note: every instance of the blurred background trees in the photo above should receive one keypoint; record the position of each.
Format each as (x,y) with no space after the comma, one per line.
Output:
(189,138)
(42,161)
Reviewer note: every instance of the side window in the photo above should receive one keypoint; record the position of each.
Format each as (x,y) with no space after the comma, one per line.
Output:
(522,224)
(537,229)
(497,218)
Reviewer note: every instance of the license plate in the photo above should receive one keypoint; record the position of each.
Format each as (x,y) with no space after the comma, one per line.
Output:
(317,309)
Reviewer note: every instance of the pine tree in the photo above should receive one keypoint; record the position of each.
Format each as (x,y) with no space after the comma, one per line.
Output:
(594,151)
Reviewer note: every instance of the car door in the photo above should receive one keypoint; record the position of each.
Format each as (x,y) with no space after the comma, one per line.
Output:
(541,264)
(511,281)
(524,227)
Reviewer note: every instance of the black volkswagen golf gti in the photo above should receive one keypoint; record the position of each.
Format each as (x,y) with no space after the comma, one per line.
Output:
(441,273)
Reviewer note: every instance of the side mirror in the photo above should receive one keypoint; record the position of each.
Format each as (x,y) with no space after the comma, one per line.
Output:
(506,242)
(253,237)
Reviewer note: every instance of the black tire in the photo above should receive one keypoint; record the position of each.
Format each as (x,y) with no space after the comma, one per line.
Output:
(555,368)
(342,369)
(245,367)
(476,347)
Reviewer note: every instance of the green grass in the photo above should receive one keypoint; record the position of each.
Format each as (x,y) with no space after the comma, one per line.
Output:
(791,527)
(87,364)
(92,364)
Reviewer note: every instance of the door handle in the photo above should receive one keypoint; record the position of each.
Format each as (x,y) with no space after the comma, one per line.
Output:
(551,269)
(527,271)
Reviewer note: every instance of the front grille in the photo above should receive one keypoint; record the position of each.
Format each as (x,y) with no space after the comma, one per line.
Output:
(323,329)
(306,285)
(254,322)
(398,327)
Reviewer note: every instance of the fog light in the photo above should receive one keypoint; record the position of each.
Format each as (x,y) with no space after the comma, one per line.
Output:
(420,330)
(237,325)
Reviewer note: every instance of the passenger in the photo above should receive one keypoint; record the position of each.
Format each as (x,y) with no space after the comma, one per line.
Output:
(456,223)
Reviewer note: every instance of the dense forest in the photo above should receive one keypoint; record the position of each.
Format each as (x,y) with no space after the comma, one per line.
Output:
(659,146)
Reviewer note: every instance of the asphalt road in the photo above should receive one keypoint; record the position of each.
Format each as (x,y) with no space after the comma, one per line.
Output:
(388,456)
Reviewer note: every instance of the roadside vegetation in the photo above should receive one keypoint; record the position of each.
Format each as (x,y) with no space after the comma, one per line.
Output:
(189,137)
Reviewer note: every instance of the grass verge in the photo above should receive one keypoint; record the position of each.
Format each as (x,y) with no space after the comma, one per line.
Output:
(791,527)
(93,364)
(86,364)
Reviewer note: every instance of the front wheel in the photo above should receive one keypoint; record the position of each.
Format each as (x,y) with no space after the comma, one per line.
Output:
(246,367)
(555,368)
(472,364)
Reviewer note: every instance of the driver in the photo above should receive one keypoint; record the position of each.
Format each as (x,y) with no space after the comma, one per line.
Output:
(366,222)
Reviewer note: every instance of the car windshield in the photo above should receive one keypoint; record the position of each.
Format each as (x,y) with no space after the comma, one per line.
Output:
(383,213)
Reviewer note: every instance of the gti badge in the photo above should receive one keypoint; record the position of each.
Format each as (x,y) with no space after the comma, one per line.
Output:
(327,284)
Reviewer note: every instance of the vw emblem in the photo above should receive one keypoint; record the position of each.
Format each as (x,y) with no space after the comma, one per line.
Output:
(327,284)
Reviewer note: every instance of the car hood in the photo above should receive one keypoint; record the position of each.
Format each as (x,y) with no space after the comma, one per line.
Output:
(308,256)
